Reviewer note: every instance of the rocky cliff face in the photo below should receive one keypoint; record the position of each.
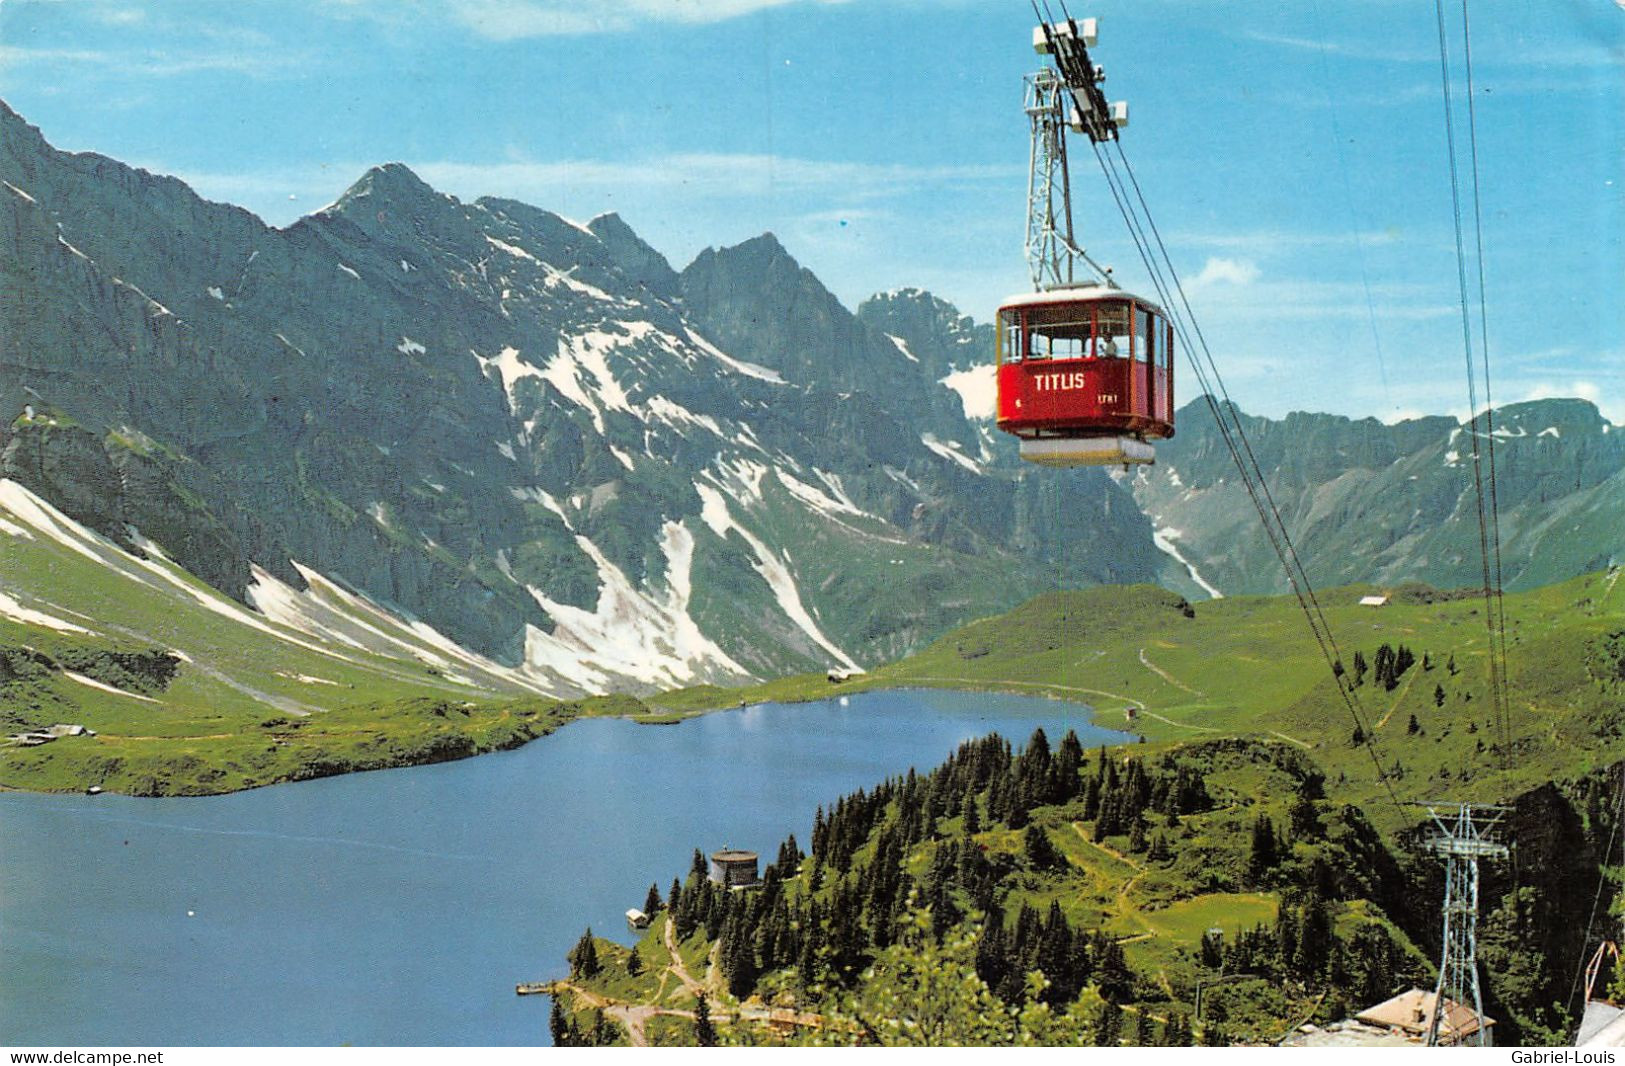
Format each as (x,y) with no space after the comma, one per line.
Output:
(534,435)
(1371,502)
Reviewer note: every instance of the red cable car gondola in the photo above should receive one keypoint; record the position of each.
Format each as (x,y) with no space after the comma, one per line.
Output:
(1085,375)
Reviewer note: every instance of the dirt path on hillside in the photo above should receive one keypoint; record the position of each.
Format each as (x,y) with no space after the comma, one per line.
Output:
(1138,705)
(678,967)
(1030,684)
(1166,676)
(713,969)
(1125,908)
(1403,689)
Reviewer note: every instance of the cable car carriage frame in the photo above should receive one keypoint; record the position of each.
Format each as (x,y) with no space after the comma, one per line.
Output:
(1085,375)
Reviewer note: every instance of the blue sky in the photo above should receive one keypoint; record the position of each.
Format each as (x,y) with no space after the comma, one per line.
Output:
(1293,154)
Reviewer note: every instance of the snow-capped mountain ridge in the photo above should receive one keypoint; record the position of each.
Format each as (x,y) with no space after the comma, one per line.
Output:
(528,434)
(584,469)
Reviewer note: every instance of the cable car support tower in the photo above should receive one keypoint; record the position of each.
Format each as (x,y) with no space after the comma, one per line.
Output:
(1066,97)
(1462,836)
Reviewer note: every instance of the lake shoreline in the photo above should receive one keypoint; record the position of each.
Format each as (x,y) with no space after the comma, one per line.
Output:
(315,762)
(402,908)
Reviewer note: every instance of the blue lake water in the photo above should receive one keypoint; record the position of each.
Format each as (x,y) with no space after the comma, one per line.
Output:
(401,907)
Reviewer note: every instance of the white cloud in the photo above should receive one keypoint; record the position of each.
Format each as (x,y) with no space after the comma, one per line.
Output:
(121,16)
(1351,51)
(1407,414)
(1261,242)
(1221,271)
(722,174)
(1540,55)
(697,176)
(160,62)
(507,20)
(1612,407)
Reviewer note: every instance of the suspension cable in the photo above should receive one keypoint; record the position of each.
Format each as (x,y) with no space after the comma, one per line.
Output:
(1231,430)
(1234,433)
(1499,605)
(1484,493)
(1602,881)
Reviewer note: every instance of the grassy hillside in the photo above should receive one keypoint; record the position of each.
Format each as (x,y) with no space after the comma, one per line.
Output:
(1248,666)
(1030,897)
(182,691)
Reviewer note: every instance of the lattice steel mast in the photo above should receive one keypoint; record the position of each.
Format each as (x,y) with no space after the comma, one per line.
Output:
(1067,97)
(1462,838)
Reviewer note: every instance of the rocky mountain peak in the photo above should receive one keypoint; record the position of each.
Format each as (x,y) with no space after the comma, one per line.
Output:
(933,330)
(390,199)
(1552,416)
(633,255)
(16,129)
(390,183)
(757,298)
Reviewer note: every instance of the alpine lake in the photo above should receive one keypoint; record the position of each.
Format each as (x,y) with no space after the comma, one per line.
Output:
(400,907)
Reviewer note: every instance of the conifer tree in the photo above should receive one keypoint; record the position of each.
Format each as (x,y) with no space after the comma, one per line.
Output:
(558,1026)
(1039,849)
(705,1034)
(1305,817)
(1143,1036)
(1264,853)
(584,956)
(1109,1025)
(604,1033)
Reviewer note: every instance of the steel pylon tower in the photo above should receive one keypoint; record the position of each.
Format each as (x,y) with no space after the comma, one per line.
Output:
(1462,838)
(1050,244)
(1057,99)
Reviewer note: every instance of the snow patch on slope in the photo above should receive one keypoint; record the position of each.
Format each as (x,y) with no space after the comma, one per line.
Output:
(950,450)
(580,371)
(541,496)
(327,611)
(977,387)
(91,682)
(1164,540)
(739,366)
(774,570)
(642,635)
(902,346)
(156,572)
(676,415)
(817,499)
(10,608)
(512,249)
